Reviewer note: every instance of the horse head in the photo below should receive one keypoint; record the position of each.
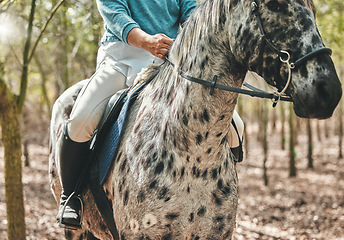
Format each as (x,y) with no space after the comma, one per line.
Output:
(279,40)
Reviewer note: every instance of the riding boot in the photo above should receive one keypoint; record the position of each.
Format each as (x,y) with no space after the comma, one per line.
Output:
(238,153)
(73,158)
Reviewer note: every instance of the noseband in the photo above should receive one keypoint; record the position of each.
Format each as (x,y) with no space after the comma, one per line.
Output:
(284,57)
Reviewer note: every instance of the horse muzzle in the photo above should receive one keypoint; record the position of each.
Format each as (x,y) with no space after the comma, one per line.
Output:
(322,93)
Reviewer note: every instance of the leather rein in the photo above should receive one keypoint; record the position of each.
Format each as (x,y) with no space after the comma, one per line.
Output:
(284,57)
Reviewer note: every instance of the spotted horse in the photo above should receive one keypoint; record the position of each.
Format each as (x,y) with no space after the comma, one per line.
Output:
(174,176)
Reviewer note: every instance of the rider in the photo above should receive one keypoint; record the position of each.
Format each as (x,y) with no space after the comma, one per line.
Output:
(134,38)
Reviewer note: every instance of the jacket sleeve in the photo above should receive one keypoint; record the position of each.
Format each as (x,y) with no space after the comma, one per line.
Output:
(117,17)
(186,8)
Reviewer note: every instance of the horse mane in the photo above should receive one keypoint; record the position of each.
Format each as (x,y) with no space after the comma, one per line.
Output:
(208,17)
(310,4)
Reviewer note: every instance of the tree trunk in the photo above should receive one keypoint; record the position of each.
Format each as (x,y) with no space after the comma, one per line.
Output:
(327,133)
(340,134)
(265,142)
(43,83)
(292,167)
(282,106)
(9,120)
(319,130)
(310,144)
(259,115)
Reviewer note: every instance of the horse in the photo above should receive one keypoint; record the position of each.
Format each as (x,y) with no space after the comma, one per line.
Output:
(174,176)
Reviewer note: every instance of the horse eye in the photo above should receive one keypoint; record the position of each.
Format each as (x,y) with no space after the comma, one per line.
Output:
(274,6)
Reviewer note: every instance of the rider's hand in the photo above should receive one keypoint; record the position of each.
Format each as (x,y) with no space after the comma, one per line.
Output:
(158,44)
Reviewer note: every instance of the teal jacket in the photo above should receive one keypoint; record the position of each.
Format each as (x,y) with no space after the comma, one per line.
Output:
(152,16)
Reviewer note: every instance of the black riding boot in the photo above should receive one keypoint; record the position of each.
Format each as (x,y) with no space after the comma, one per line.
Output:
(238,153)
(73,159)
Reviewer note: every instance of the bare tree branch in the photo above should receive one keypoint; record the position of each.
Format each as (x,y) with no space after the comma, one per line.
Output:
(54,10)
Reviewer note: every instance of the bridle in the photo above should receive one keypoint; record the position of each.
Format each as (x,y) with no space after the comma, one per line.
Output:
(284,57)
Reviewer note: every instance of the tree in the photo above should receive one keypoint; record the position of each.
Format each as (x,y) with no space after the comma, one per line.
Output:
(331,25)
(292,167)
(310,144)
(11,106)
(265,141)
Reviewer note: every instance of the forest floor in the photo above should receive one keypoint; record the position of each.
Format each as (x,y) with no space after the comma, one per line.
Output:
(308,206)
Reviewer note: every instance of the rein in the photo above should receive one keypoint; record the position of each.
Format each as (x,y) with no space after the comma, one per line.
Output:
(284,57)
(254,92)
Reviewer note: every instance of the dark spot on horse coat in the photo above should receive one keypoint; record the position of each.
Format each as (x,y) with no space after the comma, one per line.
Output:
(118,156)
(162,192)
(167,199)
(124,163)
(219,218)
(159,168)
(153,184)
(219,134)
(315,39)
(223,139)
(201,211)
(143,237)
(195,171)
(167,236)
(214,173)
(228,233)
(303,71)
(185,120)
(122,236)
(195,116)
(234,3)
(141,196)
(209,150)
(204,62)
(199,139)
(216,199)
(205,174)
(126,197)
(206,115)
(164,154)
(182,172)
(172,216)
(191,217)
(220,227)
(225,190)
(186,143)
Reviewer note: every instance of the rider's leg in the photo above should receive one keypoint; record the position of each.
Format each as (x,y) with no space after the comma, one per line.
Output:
(83,121)
(236,136)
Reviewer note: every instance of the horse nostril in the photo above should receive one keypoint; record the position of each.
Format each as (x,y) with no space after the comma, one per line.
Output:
(324,92)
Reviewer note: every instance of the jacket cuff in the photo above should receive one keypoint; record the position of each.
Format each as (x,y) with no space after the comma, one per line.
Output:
(126,31)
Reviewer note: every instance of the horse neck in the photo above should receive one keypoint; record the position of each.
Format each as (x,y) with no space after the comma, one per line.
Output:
(185,110)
